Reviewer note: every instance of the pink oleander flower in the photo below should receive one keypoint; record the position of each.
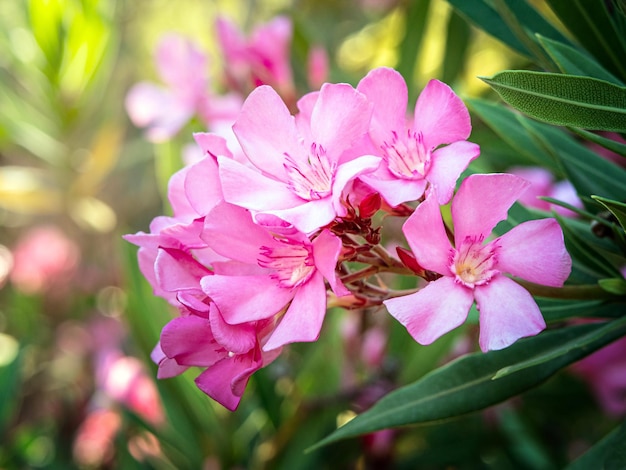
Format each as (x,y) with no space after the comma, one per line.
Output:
(261,59)
(300,165)
(42,259)
(473,269)
(164,110)
(230,353)
(280,270)
(413,152)
(317,67)
(543,184)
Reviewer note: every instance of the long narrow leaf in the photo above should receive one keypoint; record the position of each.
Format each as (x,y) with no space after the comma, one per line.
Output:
(605,142)
(564,100)
(466,385)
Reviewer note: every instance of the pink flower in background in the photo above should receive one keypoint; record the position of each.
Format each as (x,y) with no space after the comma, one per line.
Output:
(299,173)
(43,258)
(317,67)
(274,270)
(605,372)
(473,269)
(542,184)
(261,59)
(164,110)
(412,152)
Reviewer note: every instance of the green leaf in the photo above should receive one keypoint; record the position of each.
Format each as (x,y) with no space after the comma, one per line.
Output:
(608,453)
(482,14)
(608,333)
(465,385)
(557,310)
(458,36)
(575,62)
(416,20)
(607,143)
(618,209)
(614,286)
(590,23)
(563,100)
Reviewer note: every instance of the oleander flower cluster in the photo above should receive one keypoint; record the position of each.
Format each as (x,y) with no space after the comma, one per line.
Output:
(270,231)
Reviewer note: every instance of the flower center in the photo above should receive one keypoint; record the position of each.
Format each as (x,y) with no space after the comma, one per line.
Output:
(473,263)
(311,179)
(406,156)
(292,262)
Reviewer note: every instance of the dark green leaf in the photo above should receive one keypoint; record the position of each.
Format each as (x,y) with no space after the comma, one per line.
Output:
(575,62)
(606,454)
(591,25)
(608,333)
(465,385)
(618,209)
(482,14)
(563,100)
(416,20)
(457,44)
(614,286)
(556,310)
(607,143)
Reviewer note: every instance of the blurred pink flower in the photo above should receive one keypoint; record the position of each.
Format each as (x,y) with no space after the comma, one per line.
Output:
(473,270)
(317,67)
(164,110)
(542,184)
(93,444)
(605,372)
(261,59)
(412,152)
(43,258)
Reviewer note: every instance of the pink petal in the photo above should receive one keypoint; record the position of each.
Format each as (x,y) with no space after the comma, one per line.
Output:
(167,366)
(267,131)
(447,165)
(349,171)
(310,216)
(326,251)
(441,116)
(238,339)
(181,64)
(212,144)
(243,299)
(202,185)
(230,231)
(303,320)
(340,116)
(535,251)
(426,235)
(189,340)
(433,311)
(177,270)
(317,66)
(387,90)
(395,191)
(507,313)
(248,188)
(226,380)
(482,201)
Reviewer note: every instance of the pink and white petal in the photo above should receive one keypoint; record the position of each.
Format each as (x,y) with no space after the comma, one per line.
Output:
(218,380)
(387,90)
(306,104)
(231,232)
(482,201)
(267,131)
(447,165)
(434,310)
(243,299)
(326,251)
(395,191)
(167,367)
(347,172)
(309,216)
(177,270)
(182,64)
(535,251)
(303,320)
(426,235)
(177,196)
(248,188)
(238,339)
(212,144)
(507,313)
(189,340)
(441,116)
(341,115)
